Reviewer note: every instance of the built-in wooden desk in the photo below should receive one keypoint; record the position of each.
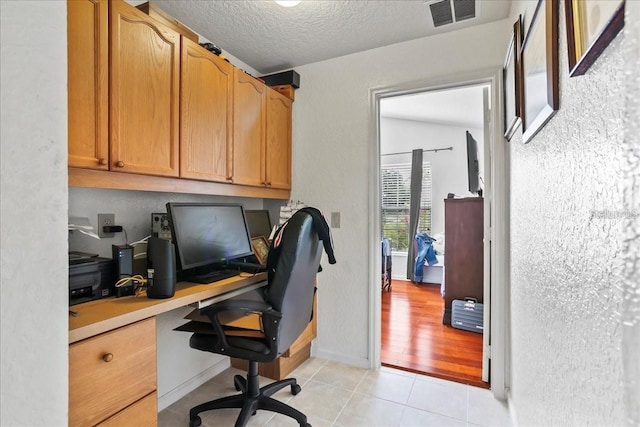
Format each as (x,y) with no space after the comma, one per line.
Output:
(96,317)
(112,352)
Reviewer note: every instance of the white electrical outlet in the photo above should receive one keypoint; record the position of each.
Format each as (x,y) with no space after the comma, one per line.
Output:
(105,219)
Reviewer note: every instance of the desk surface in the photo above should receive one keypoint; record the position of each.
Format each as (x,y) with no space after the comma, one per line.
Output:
(96,317)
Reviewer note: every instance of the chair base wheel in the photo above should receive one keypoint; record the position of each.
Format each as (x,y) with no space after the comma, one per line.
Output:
(295,389)
(195,422)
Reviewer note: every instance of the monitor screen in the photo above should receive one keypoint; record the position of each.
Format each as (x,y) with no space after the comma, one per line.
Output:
(259,222)
(208,233)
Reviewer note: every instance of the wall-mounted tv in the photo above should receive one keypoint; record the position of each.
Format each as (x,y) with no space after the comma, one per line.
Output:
(473,165)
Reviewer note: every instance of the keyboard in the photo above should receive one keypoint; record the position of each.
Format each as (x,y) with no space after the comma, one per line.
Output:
(214,276)
(247,267)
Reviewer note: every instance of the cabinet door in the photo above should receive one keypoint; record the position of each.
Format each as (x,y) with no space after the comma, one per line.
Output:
(248,130)
(206,108)
(144,93)
(87,45)
(278,145)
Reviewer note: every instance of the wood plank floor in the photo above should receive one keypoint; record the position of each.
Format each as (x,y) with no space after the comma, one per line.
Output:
(414,338)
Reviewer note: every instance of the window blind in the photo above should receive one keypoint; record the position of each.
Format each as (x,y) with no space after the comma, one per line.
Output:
(396,197)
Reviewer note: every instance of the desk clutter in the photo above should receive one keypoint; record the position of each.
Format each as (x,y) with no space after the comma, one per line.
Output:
(190,242)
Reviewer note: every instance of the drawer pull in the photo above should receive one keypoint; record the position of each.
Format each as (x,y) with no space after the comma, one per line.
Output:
(102,162)
(120,164)
(107,357)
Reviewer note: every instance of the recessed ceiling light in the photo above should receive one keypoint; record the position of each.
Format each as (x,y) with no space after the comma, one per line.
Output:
(288,3)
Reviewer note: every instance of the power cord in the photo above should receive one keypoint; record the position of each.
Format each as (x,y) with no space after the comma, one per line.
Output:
(142,241)
(130,285)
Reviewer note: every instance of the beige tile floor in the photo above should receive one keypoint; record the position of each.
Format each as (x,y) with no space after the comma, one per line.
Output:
(338,395)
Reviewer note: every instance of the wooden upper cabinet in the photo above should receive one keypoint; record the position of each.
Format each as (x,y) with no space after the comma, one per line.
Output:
(206,120)
(87,36)
(248,130)
(278,144)
(144,93)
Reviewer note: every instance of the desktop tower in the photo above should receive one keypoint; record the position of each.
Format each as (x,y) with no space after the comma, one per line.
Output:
(161,268)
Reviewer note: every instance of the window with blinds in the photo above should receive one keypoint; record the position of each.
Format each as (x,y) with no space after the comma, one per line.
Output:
(396,199)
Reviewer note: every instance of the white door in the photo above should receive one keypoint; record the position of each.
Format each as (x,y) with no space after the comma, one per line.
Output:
(486,333)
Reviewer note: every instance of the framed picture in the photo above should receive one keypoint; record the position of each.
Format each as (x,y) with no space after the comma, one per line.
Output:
(540,69)
(591,25)
(512,81)
(260,248)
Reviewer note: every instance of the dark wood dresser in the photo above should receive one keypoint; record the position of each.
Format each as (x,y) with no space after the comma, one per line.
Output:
(463,259)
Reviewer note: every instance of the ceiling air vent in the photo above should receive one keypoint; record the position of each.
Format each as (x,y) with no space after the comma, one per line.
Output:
(449,11)
(441,13)
(464,9)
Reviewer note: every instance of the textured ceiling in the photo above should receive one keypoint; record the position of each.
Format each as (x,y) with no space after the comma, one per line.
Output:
(270,38)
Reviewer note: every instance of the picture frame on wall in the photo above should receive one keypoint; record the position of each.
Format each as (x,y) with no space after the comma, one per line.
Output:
(540,94)
(591,26)
(512,82)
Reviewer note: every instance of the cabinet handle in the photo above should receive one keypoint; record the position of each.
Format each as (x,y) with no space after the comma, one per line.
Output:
(102,161)
(108,357)
(229,178)
(119,164)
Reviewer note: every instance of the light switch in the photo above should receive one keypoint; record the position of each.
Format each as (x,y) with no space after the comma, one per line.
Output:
(335,219)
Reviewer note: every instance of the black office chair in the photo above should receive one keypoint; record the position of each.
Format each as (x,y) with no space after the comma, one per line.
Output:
(285,312)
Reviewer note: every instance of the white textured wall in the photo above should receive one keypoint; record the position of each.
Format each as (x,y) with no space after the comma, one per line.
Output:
(332,137)
(568,243)
(33,195)
(631,246)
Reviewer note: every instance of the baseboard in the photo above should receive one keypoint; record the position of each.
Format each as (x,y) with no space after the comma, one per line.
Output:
(341,358)
(191,384)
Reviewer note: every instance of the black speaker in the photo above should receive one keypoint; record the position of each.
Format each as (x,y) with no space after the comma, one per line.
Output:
(161,268)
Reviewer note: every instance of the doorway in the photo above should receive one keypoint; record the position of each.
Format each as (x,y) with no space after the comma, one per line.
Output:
(436,122)
(495,214)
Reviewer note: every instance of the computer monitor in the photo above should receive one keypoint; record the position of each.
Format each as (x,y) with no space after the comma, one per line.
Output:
(259,222)
(207,235)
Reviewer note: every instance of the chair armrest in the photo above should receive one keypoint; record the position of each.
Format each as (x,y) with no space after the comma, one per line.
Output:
(269,317)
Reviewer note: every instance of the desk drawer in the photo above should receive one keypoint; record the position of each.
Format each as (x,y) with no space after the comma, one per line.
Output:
(143,413)
(111,371)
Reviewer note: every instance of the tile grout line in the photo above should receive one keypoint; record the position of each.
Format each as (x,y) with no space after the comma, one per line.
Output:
(406,403)
(353,392)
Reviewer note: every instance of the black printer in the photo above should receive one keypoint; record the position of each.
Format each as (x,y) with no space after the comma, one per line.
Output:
(90,278)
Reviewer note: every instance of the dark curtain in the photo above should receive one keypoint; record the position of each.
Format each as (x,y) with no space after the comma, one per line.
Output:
(414,210)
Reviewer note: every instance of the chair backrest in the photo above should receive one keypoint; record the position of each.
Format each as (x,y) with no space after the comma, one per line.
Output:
(292,280)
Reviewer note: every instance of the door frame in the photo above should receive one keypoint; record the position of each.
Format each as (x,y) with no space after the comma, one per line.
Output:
(496,204)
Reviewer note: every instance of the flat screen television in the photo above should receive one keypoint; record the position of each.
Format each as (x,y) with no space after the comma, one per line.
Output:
(473,166)
(259,222)
(208,235)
